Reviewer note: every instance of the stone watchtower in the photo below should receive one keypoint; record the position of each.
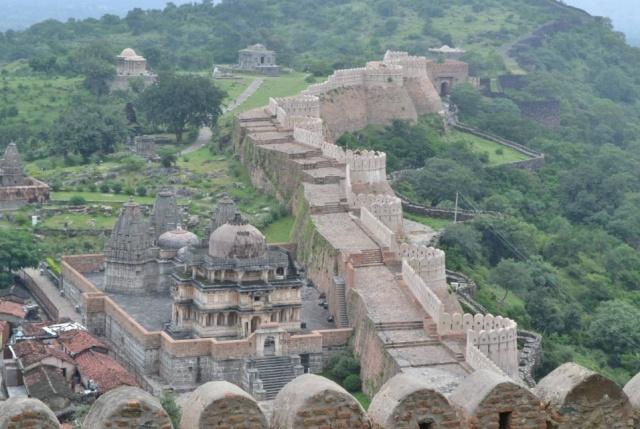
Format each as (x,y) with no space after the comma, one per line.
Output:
(11,170)
(165,215)
(130,262)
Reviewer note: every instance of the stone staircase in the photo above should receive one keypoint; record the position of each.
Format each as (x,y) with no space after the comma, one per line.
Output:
(275,372)
(399,326)
(372,257)
(328,208)
(341,297)
(407,344)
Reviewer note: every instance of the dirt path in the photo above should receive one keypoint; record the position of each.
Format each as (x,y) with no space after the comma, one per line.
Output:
(204,136)
(248,92)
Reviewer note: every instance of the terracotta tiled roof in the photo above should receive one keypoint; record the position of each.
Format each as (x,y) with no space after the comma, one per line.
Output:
(76,342)
(12,309)
(34,329)
(31,351)
(104,371)
(46,383)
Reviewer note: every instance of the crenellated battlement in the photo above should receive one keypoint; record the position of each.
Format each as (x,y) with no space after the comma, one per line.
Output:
(428,262)
(366,166)
(412,66)
(494,337)
(386,208)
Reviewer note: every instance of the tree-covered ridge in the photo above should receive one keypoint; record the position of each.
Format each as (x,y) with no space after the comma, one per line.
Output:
(331,33)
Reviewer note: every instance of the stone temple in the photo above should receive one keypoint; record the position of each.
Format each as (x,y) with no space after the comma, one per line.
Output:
(131,65)
(257,58)
(16,188)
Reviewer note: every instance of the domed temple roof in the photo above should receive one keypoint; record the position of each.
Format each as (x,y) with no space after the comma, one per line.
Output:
(237,239)
(177,239)
(130,54)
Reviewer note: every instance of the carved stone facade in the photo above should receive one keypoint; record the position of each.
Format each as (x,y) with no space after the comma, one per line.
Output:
(235,285)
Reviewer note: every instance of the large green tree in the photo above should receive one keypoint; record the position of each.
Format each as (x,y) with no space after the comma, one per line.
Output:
(181,101)
(17,250)
(87,128)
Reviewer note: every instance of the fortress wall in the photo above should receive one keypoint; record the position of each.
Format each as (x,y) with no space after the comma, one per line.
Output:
(383,235)
(456,71)
(266,172)
(424,95)
(495,337)
(386,208)
(367,167)
(377,366)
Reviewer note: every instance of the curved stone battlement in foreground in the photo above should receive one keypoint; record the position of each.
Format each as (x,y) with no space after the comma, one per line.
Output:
(569,397)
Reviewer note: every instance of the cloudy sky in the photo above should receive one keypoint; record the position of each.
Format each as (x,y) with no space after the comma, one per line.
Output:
(624,13)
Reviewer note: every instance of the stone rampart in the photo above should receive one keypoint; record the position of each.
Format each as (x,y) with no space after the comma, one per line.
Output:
(367,167)
(383,235)
(495,337)
(43,300)
(386,208)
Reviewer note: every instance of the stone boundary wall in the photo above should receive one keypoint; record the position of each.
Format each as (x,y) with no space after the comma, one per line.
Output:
(383,235)
(495,337)
(142,349)
(412,66)
(14,197)
(49,307)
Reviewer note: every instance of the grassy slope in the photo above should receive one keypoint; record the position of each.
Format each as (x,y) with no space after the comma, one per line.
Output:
(497,154)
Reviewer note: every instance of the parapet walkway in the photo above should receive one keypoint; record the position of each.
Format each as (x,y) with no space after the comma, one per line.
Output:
(402,327)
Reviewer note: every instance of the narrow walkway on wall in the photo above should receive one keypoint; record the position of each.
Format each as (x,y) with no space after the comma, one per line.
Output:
(64,307)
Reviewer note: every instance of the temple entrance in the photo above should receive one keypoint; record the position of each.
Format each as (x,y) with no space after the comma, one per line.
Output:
(444,89)
(270,346)
(262,60)
(255,324)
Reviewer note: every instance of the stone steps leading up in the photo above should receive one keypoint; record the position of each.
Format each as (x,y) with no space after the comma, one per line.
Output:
(415,343)
(400,326)
(328,209)
(343,317)
(274,372)
(372,257)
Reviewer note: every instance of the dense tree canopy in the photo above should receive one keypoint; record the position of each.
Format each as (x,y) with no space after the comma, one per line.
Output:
(179,101)
(17,250)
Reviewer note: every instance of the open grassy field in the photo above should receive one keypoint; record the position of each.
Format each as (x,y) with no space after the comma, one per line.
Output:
(99,197)
(279,86)
(79,221)
(498,154)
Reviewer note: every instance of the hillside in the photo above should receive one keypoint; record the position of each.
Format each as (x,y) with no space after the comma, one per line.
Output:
(563,256)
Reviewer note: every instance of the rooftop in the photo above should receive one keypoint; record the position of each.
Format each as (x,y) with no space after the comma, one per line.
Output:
(104,371)
(11,308)
(76,342)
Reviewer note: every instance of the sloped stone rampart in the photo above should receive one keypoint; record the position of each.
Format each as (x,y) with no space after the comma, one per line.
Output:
(220,404)
(127,408)
(577,397)
(26,413)
(405,402)
(314,402)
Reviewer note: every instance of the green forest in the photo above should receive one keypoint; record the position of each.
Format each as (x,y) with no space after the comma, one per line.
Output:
(562,258)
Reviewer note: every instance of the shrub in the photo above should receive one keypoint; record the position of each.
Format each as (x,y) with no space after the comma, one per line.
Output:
(21,219)
(117,187)
(92,187)
(499,151)
(104,187)
(77,200)
(169,404)
(141,191)
(352,383)
(129,190)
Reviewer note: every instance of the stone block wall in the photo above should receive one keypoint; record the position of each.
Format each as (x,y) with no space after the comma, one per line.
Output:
(383,235)
(481,400)
(14,197)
